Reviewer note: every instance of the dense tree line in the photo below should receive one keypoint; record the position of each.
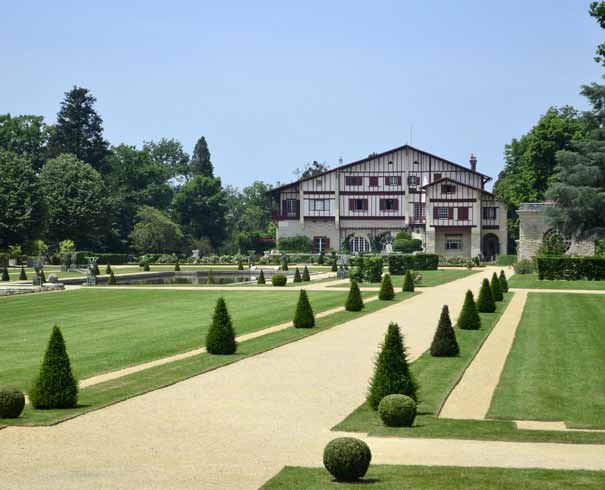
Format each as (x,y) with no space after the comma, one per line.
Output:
(562,159)
(65,181)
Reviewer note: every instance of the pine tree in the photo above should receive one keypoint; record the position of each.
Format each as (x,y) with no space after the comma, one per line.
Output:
(485,302)
(386,288)
(200,160)
(444,342)
(108,268)
(177,267)
(55,385)
(304,317)
(261,278)
(221,336)
(22,274)
(354,299)
(503,282)
(297,277)
(391,371)
(210,277)
(469,316)
(5,275)
(112,279)
(305,275)
(408,282)
(495,286)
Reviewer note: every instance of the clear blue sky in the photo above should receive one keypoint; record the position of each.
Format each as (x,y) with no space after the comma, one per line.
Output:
(272,85)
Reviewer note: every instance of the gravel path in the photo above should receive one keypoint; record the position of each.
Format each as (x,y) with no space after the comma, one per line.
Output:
(235,427)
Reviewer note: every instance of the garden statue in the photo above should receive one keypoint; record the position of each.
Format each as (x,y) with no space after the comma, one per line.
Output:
(91,277)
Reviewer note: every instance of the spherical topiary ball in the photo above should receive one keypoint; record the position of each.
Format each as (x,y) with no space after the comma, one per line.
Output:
(397,411)
(347,458)
(11,403)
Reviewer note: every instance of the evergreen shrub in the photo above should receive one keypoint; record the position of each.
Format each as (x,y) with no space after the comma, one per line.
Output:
(11,403)
(347,458)
(5,274)
(304,317)
(22,274)
(354,299)
(485,302)
(177,267)
(391,370)
(279,280)
(408,282)
(444,342)
(397,410)
(386,288)
(112,279)
(261,278)
(297,277)
(305,275)
(108,268)
(503,282)
(55,386)
(469,318)
(495,286)
(220,339)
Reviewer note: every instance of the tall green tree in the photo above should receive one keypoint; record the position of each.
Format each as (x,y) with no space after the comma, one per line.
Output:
(26,136)
(155,232)
(76,201)
(199,207)
(169,154)
(79,130)
(201,165)
(21,202)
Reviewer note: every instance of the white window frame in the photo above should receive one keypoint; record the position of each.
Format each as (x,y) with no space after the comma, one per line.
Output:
(359,244)
(325,206)
(321,244)
(291,206)
(440,212)
(454,242)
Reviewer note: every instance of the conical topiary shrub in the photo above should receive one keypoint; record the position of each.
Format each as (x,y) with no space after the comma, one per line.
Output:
(112,279)
(240,265)
(177,267)
(503,282)
(354,300)
(297,277)
(261,278)
(391,371)
(210,277)
(146,267)
(42,276)
(22,274)
(469,316)
(321,259)
(386,289)
(305,275)
(221,336)
(55,386)
(5,274)
(96,270)
(485,302)
(108,268)
(495,286)
(334,266)
(304,317)
(408,282)
(444,342)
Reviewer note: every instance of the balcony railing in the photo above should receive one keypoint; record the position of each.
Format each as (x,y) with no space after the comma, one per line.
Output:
(278,215)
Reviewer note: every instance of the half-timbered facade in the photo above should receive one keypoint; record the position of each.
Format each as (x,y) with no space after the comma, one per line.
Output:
(364,202)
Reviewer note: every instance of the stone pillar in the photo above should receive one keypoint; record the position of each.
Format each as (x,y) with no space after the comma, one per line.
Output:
(430,239)
(531,230)
(475,241)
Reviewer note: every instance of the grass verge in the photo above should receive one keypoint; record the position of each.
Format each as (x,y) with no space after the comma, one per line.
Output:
(531,281)
(429,278)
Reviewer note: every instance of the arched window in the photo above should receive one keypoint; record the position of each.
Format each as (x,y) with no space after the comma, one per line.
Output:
(359,244)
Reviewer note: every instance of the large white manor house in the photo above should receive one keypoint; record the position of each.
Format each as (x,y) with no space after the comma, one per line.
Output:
(440,202)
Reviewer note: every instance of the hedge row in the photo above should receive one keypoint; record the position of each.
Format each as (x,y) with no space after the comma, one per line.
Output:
(399,264)
(571,268)
(366,268)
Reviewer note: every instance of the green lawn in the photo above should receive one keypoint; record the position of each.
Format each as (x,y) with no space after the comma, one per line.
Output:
(437,377)
(110,329)
(429,278)
(531,281)
(556,365)
(382,477)
(114,391)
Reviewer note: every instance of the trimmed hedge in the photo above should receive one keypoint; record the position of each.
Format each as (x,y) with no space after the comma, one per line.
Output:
(444,342)
(386,292)
(397,411)
(22,274)
(469,318)
(11,403)
(297,277)
(261,278)
(279,280)
(571,268)
(354,299)
(506,259)
(485,302)
(408,282)
(305,275)
(399,264)
(366,268)
(503,282)
(221,336)
(299,243)
(112,279)
(496,288)
(304,317)
(347,458)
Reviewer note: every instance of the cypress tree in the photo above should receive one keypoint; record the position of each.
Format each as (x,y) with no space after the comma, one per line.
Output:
(469,316)
(444,342)
(408,282)
(108,268)
(112,279)
(495,286)
(386,289)
(304,317)
(22,274)
(354,300)
(261,278)
(210,277)
(391,371)
(305,275)
(221,336)
(177,267)
(55,385)
(334,266)
(297,277)
(503,282)
(5,274)
(200,159)
(485,302)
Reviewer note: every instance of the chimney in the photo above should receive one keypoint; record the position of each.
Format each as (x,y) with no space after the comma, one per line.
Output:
(473,162)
